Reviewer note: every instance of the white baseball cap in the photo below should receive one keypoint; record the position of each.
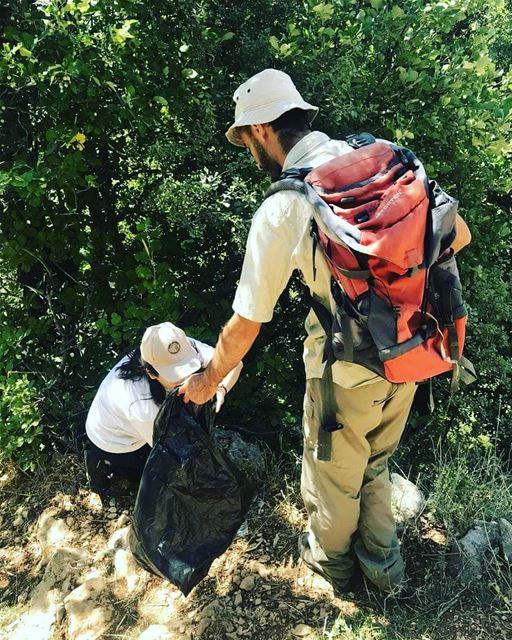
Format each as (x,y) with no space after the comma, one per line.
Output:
(166,347)
(263,98)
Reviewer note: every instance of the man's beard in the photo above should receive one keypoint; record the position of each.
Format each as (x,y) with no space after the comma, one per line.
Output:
(268,164)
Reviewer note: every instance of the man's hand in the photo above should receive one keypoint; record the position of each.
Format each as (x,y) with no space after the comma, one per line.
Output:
(234,342)
(197,389)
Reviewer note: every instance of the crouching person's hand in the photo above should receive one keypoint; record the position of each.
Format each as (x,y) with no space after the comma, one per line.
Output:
(219,397)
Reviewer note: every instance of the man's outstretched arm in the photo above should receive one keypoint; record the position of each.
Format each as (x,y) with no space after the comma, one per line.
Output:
(235,340)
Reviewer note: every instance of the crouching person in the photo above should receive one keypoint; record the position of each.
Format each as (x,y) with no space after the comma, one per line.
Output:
(120,421)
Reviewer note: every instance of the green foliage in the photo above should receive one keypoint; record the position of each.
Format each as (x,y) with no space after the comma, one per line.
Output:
(20,417)
(123,205)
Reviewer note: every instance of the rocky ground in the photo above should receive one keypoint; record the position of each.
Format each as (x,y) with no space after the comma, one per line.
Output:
(66,573)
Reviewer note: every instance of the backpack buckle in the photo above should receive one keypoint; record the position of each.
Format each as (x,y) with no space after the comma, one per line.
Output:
(358,140)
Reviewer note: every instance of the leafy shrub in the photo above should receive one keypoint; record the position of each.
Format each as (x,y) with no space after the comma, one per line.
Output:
(124,205)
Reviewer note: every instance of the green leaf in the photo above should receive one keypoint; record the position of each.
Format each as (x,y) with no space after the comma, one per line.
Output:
(274,43)
(115,318)
(483,63)
(377,4)
(161,100)
(189,73)
(397,12)
(229,35)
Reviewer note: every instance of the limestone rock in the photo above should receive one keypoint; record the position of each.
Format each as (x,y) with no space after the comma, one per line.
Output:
(468,553)
(46,606)
(88,618)
(159,604)
(158,632)
(119,540)
(52,534)
(506,539)
(126,567)
(407,501)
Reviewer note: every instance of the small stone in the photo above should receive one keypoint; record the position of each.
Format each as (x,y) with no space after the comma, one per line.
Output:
(112,510)
(238,599)
(70,521)
(506,539)
(202,626)
(301,606)
(257,601)
(112,516)
(112,502)
(248,583)
(123,520)
(210,609)
(302,630)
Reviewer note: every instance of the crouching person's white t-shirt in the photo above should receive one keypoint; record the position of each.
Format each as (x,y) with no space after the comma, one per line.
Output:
(122,413)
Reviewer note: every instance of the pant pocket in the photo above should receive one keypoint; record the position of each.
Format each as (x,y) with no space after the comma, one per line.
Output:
(310,417)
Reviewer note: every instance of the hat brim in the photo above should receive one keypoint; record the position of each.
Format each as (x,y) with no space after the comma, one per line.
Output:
(266,113)
(178,372)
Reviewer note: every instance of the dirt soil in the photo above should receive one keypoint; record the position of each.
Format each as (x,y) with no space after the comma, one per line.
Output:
(55,560)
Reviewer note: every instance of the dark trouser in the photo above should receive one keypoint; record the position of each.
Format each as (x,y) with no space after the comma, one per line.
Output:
(102,466)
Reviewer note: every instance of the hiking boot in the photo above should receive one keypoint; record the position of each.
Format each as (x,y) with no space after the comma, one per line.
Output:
(317,581)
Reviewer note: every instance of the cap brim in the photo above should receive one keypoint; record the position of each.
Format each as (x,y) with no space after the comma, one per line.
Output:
(266,113)
(179,371)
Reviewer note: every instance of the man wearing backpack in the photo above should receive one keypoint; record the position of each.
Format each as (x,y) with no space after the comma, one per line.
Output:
(345,479)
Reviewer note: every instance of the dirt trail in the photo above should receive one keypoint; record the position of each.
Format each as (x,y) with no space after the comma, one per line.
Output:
(65,574)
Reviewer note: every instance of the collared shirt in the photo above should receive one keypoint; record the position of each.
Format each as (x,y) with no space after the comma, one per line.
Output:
(279,242)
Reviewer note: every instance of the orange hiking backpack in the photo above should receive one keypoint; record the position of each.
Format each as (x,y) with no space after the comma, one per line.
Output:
(386,231)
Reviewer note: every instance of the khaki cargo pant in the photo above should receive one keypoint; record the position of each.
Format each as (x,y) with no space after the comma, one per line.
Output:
(348,499)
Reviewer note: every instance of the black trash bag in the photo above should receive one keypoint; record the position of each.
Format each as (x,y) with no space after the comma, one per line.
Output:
(191,500)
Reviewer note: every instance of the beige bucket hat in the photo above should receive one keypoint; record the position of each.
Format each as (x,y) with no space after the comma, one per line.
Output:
(166,347)
(263,98)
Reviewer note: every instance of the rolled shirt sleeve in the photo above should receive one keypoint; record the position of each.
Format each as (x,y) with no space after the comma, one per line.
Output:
(276,230)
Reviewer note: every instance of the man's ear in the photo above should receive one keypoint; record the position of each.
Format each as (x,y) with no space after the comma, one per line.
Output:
(151,374)
(261,132)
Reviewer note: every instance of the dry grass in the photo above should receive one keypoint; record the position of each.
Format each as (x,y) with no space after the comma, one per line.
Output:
(442,609)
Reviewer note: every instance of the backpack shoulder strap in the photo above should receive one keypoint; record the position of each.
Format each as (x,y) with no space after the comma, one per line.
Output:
(287,184)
